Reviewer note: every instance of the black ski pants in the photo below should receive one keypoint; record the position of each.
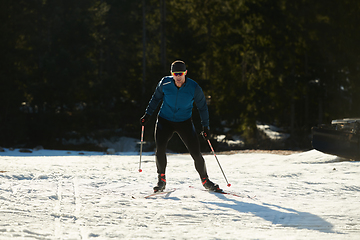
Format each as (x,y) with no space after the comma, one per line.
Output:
(164,130)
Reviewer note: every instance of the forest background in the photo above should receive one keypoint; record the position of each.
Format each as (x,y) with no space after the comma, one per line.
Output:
(87,68)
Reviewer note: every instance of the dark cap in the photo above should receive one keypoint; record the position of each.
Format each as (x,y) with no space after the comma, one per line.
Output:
(178,66)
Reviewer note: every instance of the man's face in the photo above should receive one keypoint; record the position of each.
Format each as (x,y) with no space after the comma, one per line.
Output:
(179,78)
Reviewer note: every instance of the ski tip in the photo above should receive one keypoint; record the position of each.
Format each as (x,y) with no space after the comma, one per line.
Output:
(140,170)
(229,185)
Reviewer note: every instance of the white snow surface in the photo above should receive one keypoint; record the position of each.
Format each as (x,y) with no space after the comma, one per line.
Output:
(63,195)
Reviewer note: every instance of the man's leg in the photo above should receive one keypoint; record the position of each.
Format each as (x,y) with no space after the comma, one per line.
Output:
(163,133)
(187,133)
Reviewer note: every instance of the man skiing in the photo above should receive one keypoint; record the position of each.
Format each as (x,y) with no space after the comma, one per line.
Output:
(178,93)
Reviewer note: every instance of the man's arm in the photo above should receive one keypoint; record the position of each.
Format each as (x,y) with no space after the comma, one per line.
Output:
(201,105)
(155,99)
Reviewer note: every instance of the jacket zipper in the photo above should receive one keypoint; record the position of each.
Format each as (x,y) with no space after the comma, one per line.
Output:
(177,94)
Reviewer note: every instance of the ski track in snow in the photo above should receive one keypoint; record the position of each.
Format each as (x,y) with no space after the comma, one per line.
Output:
(307,195)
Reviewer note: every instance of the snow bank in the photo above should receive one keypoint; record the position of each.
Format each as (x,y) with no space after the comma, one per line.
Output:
(119,144)
(273,132)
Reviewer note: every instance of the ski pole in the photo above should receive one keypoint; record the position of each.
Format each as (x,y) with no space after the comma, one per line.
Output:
(141,145)
(212,149)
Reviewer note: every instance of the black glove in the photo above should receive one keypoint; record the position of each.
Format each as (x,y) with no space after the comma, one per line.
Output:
(206,133)
(144,119)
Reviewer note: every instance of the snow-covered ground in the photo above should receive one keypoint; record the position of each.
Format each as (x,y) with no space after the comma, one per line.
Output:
(64,195)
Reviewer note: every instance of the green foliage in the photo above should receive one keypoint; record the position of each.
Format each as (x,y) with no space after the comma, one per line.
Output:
(77,65)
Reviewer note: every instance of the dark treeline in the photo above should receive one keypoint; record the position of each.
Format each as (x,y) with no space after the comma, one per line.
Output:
(76,68)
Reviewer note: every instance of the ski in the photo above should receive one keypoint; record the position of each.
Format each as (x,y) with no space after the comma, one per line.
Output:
(227,193)
(160,193)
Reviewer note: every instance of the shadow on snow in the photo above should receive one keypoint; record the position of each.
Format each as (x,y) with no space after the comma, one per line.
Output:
(277,215)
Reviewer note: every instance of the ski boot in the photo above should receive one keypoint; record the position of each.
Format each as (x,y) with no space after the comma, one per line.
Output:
(209,185)
(161,183)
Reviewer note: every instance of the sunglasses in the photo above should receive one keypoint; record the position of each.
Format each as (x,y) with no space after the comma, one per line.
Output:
(178,73)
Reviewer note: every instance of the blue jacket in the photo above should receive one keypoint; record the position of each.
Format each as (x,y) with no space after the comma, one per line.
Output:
(178,102)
